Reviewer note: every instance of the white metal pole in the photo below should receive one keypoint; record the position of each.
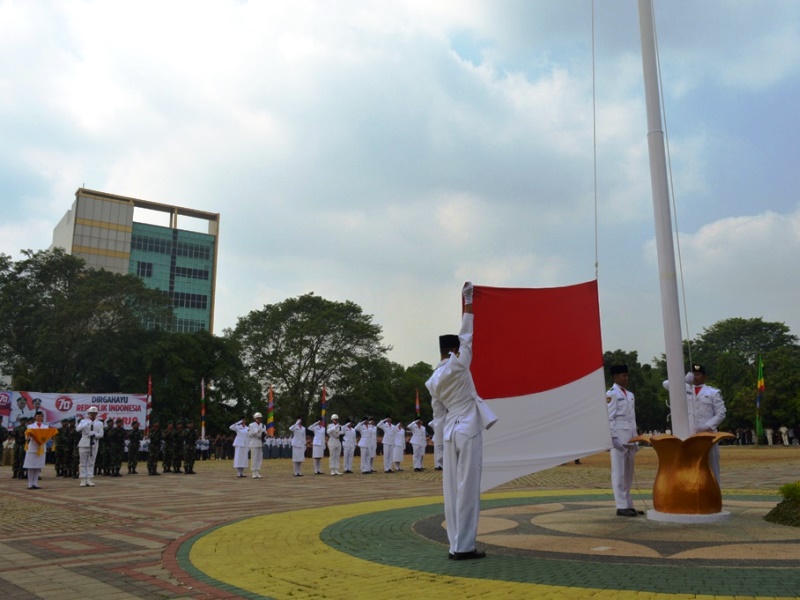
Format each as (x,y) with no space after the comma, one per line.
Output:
(664,245)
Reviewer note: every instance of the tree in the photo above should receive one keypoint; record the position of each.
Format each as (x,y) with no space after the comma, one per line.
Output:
(178,362)
(303,343)
(729,351)
(64,327)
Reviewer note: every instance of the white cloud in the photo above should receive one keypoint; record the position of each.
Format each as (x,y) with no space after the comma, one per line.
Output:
(385,152)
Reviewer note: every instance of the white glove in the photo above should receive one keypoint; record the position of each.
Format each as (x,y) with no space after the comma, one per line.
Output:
(467,291)
(617,443)
(689,378)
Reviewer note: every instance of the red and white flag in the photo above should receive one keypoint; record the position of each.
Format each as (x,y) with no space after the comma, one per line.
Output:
(538,363)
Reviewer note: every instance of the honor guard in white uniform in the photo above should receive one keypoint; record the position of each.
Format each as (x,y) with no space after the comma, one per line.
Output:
(622,422)
(399,446)
(241,445)
(365,445)
(348,446)
(334,445)
(418,441)
(91,430)
(255,436)
(317,445)
(706,410)
(298,446)
(388,429)
(463,415)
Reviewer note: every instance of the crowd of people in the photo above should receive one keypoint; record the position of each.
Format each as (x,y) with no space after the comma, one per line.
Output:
(175,447)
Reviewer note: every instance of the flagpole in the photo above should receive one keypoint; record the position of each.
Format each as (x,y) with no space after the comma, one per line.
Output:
(270,414)
(665,251)
(324,403)
(203,408)
(149,408)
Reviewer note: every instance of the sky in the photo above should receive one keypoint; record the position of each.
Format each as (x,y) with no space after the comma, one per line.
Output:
(386,152)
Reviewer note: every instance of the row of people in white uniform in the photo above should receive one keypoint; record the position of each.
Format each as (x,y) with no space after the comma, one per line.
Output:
(342,441)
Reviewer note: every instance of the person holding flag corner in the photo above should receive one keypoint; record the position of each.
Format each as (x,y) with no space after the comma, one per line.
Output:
(461,415)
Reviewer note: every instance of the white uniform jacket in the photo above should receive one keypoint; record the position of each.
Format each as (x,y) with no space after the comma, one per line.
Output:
(389,431)
(241,439)
(455,401)
(87,429)
(621,413)
(298,435)
(255,433)
(418,434)
(349,439)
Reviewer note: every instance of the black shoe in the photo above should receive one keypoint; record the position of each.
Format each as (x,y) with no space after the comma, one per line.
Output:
(438,469)
(387,471)
(469,555)
(640,512)
(626,512)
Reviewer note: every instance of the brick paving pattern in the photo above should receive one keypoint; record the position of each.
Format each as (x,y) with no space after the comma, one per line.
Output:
(145,537)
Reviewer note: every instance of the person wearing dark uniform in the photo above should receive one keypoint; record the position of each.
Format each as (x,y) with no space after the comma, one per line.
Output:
(135,436)
(19,449)
(189,448)
(177,445)
(168,436)
(62,447)
(622,422)
(116,447)
(154,440)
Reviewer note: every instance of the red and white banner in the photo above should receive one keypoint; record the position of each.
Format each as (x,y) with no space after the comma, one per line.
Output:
(538,362)
(56,407)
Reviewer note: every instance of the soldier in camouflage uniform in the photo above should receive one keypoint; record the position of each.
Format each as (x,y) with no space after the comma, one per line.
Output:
(134,441)
(19,449)
(101,462)
(75,460)
(189,448)
(61,443)
(3,433)
(116,447)
(153,448)
(169,447)
(177,452)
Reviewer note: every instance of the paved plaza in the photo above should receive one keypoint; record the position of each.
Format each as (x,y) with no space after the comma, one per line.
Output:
(549,535)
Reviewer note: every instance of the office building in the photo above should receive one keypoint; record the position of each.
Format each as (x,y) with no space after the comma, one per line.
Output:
(100,229)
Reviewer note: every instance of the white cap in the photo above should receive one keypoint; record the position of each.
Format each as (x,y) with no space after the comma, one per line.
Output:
(92,409)
(334,417)
(257,416)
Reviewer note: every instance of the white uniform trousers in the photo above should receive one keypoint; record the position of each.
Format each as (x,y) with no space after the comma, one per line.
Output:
(419,454)
(87,456)
(348,452)
(622,476)
(388,456)
(256,458)
(335,453)
(438,455)
(461,483)
(366,460)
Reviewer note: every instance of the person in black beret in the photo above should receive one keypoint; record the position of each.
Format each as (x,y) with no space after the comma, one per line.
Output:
(461,416)
(706,409)
(622,422)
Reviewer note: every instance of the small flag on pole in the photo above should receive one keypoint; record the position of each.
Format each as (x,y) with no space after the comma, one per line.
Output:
(149,405)
(323,404)
(270,414)
(203,407)
(417,404)
(759,391)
